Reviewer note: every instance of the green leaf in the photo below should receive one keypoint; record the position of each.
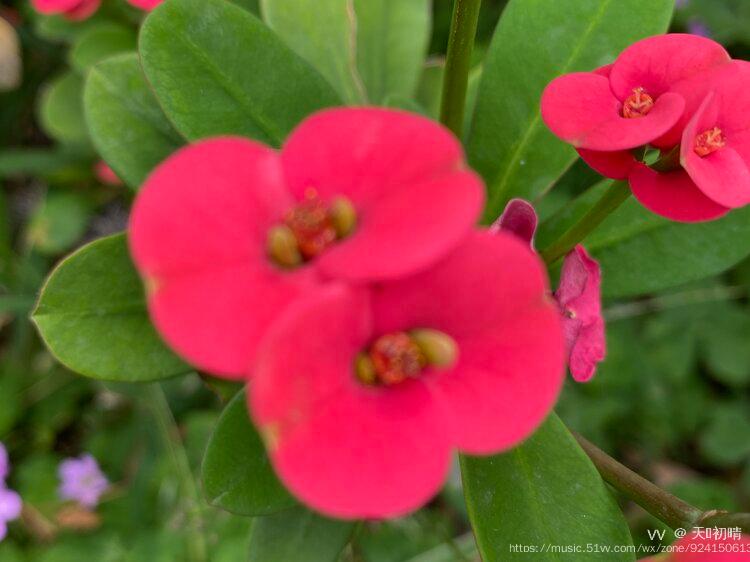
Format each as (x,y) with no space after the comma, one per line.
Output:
(61,110)
(127,125)
(536,41)
(724,344)
(725,441)
(298,535)
(216,69)
(100,42)
(59,222)
(237,474)
(392,40)
(330,48)
(92,315)
(545,491)
(641,253)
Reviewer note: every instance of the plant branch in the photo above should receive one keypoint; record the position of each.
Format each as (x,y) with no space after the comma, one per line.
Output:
(613,197)
(458,63)
(661,504)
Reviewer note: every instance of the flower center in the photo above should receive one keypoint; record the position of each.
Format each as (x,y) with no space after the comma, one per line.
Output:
(709,142)
(309,228)
(637,104)
(395,357)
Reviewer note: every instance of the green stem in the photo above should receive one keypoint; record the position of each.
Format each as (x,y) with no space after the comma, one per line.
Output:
(613,197)
(458,63)
(659,503)
(198,550)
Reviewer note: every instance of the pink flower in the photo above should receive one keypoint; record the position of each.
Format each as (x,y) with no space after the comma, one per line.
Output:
(632,103)
(70,9)
(227,233)
(147,5)
(105,174)
(707,545)
(579,297)
(713,175)
(518,218)
(362,393)
(82,481)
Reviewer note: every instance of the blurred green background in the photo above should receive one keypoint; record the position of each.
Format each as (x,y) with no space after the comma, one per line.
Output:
(672,400)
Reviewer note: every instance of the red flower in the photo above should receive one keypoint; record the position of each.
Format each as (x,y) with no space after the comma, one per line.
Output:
(579,297)
(714,166)
(362,393)
(71,9)
(227,233)
(631,103)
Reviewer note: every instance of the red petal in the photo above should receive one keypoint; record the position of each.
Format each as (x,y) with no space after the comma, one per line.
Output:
(615,165)
(673,195)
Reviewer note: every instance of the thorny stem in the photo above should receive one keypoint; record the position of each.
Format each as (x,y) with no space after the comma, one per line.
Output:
(458,63)
(170,434)
(613,197)
(659,503)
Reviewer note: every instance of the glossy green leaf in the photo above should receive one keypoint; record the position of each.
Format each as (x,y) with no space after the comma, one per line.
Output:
(216,69)
(543,492)
(298,535)
(392,40)
(92,315)
(641,253)
(237,474)
(536,41)
(100,42)
(127,125)
(330,48)
(61,110)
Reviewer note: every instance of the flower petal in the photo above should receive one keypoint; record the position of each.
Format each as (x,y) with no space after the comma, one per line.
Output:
(145,4)
(84,10)
(367,153)
(55,6)
(616,165)
(657,63)
(344,449)
(673,195)
(198,237)
(490,295)
(407,230)
(581,109)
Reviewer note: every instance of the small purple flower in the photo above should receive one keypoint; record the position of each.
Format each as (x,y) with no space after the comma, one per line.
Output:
(679,4)
(10,508)
(82,481)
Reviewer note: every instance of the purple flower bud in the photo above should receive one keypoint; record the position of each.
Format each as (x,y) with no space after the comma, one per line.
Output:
(519,218)
(697,27)
(82,481)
